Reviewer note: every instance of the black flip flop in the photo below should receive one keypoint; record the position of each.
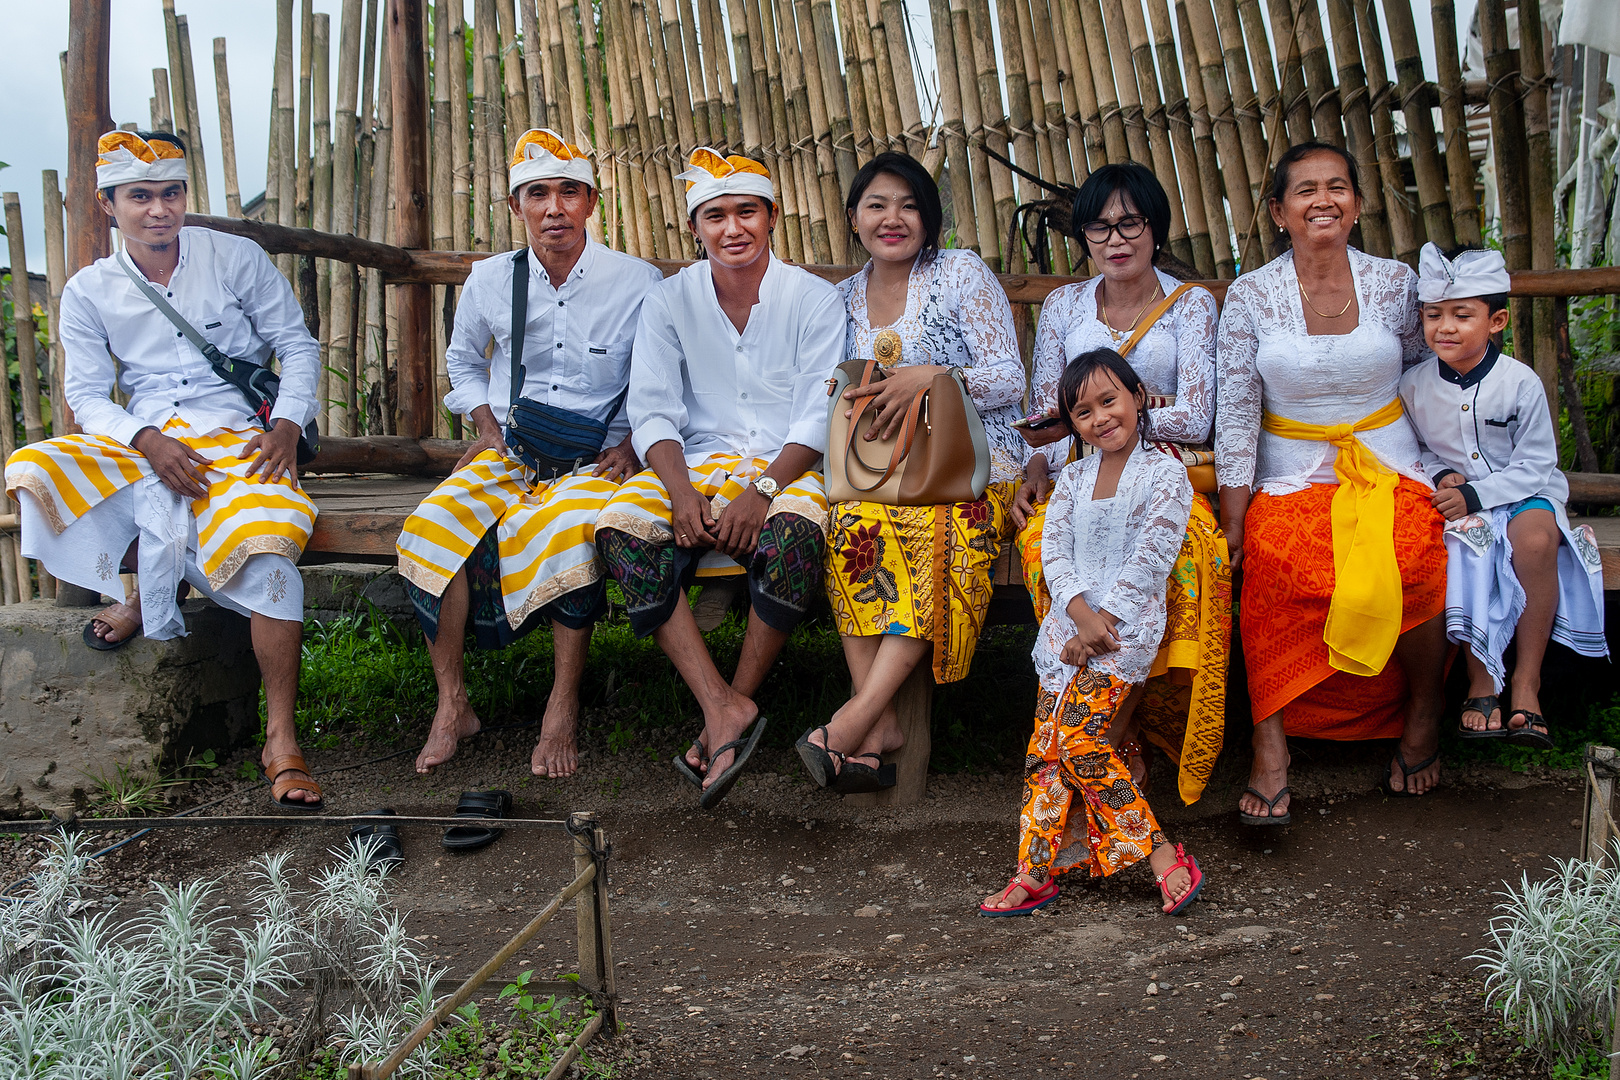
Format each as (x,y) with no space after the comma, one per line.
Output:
(1485,705)
(818,760)
(858,779)
(684,767)
(485,805)
(1272,818)
(1406,774)
(727,780)
(1528,735)
(379,845)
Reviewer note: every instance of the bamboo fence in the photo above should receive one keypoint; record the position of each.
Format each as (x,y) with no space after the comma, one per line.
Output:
(1205,93)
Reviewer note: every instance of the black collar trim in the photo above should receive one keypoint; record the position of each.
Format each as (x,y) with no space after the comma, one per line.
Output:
(1477,374)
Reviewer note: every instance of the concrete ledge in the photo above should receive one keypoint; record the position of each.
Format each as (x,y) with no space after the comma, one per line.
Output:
(335,589)
(69,714)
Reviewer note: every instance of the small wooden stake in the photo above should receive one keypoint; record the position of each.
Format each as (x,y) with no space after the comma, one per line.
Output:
(196,161)
(227,131)
(56,279)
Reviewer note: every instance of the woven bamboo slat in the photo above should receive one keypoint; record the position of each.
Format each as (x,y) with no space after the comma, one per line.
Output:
(1359,127)
(1459,164)
(1420,135)
(1402,230)
(1158,127)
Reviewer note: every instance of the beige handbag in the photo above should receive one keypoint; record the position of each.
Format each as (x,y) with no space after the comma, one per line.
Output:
(940,455)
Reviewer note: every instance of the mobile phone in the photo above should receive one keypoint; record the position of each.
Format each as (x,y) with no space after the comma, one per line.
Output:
(1037,422)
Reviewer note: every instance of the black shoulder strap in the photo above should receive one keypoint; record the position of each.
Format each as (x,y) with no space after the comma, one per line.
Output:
(520,317)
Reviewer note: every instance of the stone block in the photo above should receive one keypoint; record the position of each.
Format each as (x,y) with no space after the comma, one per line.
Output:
(70,714)
(335,589)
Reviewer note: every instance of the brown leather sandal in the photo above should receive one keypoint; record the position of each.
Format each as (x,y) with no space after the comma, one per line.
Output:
(126,627)
(281,783)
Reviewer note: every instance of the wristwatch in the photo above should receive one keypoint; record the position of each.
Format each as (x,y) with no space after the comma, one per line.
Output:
(767,487)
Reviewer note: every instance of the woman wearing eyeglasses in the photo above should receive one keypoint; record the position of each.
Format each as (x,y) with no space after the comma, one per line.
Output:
(1122,216)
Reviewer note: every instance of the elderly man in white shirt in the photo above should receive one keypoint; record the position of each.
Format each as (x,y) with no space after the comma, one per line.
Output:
(509,538)
(728,405)
(185,484)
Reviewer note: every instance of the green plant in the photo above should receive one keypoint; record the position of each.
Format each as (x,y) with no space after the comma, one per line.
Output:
(128,793)
(1592,1065)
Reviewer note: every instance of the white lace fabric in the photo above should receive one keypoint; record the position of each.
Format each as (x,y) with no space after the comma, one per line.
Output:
(956,314)
(1267,361)
(1116,553)
(1176,358)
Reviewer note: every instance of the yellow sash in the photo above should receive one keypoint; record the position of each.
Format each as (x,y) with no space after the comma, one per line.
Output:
(1364,617)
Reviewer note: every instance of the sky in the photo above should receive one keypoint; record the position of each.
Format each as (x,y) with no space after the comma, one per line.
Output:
(33,120)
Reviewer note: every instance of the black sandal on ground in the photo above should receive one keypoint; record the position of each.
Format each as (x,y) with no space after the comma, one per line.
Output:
(1485,705)
(723,783)
(1536,733)
(1271,817)
(858,778)
(378,845)
(1406,774)
(818,760)
(684,767)
(482,805)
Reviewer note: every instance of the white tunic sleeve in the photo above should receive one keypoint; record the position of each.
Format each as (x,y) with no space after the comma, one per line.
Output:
(87,380)
(996,375)
(1533,459)
(657,402)
(1189,419)
(1237,426)
(1063,579)
(272,309)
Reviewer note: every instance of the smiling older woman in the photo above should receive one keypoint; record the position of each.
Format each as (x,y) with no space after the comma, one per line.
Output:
(1344,567)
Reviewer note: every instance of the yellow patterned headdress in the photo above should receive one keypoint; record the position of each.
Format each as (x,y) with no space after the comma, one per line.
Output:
(541,154)
(123,157)
(709,175)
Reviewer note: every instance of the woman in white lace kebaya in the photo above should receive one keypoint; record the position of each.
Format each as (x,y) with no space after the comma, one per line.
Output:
(1319,469)
(1123,216)
(1114,528)
(947,310)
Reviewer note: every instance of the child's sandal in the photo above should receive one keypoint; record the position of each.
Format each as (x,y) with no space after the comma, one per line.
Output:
(1186,862)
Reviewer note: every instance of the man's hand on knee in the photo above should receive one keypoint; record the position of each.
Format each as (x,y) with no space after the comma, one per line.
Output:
(173,461)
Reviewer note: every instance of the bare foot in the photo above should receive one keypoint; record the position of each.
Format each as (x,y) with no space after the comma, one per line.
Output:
(128,609)
(556,755)
(722,728)
(275,748)
(453,722)
(1020,889)
(1420,782)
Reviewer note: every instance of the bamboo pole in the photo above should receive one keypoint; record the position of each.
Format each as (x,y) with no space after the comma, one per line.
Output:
(661,109)
(1086,112)
(984,205)
(620,211)
(227,131)
(637,212)
(824,37)
(175,107)
(748,103)
(534,67)
(303,175)
(22,307)
(860,121)
(1179,123)
(1326,108)
(196,160)
(1359,127)
(1068,134)
(579,102)
(1035,73)
(993,130)
(13,567)
(284,158)
(1508,145)
(500,218)
(1430,174)
(1402,230)
(905,83)
(795,223)
(378,408)
(14,571)
(706,125)
(1232,167)
(830,166)
(1124,79)
(1459,164)
(340,339)
(561,103)
(56,281)
(950,103)
(454,67)
(712,28)
(1020,119)
(321,202)
(1158,128)
(1539,187)
(802,132)
(441,214)
(1095,36)
(640,134)
(669,53)
(601,131)
(161,119)
(661,156)
(479,164)
(1292,98)
(858,26)
(894,123)
(517,94)
(1251,134)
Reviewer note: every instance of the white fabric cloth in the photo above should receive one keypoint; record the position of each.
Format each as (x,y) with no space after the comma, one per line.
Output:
(1116,553)
(1470,275)
(1595,23)
(695,380)
(538,161)
(1176,357)
(956,314)
(1492,425)
(1266,359)
(228,289)
(577,338)
(87,553)
(712,175)
(1484,598)
(120,165)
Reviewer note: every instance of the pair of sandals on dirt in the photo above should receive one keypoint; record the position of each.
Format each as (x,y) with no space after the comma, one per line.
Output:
(1534,731)
(1038,894)
(381,847)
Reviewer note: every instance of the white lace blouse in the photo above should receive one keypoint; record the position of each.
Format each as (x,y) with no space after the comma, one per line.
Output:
(1267,361)
(1175,357)
(957,314)
(1116,553)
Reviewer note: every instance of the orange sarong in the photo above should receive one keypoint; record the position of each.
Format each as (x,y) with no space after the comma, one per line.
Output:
(1287,586)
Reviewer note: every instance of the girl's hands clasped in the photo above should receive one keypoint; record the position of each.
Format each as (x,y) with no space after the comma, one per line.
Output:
(1096,633)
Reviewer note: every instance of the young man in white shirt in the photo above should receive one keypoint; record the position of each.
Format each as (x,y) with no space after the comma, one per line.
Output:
(508,541)
(183,484)
(728,406)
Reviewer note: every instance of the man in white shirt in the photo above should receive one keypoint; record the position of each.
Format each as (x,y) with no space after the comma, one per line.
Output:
(507,540)
(728,405)
(183,484)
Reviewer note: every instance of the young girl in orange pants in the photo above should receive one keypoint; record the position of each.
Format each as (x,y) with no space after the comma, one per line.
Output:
(1113,528)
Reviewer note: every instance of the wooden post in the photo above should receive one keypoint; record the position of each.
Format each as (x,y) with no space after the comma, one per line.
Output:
(340,339)
(950,103)
(1359,126)
(197,162)
(604,938)
(1402,231)
(585,912)
(1206,152)
(14,584)
(914,702)
(380,408)
(1179,122)
(1595,834)
(1431,175)
(89,113)
(56,279)
(162,120)
(22,310)
(1459,165)
(321,211)
(1508,145)
(1539,166)
(409,77)
(227,131)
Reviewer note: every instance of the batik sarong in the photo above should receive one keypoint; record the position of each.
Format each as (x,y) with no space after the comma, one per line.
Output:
(1183,705)
(1287,586)
(890,563)
(1080,805)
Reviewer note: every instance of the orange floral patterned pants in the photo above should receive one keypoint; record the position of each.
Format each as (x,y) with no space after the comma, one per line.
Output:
(1071,766)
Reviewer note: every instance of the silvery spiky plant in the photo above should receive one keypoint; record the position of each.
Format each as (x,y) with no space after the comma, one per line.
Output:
(1553,962)
(170,994)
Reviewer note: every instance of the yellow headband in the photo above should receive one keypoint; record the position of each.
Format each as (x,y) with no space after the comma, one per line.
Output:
(709,175)
(541,154)
(123,157)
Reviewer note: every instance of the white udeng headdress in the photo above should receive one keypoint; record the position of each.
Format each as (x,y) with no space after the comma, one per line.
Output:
(709,175)
(1470,274)
(123,157)
(541,154)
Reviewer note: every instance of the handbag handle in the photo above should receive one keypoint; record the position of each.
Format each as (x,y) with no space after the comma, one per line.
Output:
(902,445)
(1153,317)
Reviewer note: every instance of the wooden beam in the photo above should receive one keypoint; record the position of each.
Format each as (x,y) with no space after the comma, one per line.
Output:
(287,240)
(387,454)
(1600,489)
(414,301)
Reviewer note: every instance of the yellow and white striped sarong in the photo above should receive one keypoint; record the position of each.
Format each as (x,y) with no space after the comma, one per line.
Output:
(641,507)
(546,531)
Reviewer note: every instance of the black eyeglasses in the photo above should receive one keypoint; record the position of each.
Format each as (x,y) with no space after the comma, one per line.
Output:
(1129,228)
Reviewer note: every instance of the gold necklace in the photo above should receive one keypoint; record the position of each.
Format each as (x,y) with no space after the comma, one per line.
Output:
(1318,310)
(1102,313)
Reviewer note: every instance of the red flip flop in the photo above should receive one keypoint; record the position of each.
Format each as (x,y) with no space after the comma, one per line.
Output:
(1033,902)
(1186,862)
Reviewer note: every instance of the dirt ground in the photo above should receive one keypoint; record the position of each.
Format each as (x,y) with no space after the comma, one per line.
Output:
(788,934)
